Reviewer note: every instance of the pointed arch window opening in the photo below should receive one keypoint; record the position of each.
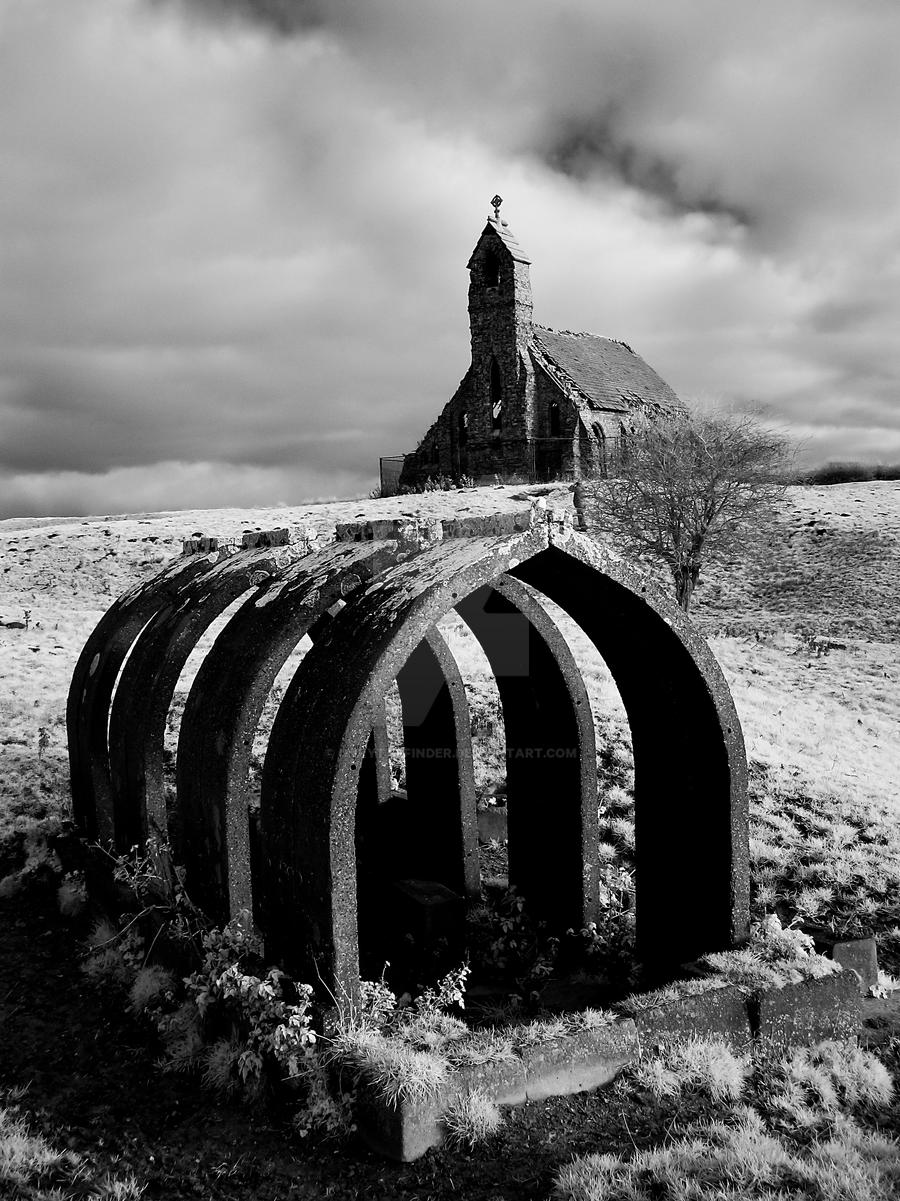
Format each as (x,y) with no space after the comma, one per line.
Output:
(554,419)
(496,397)
(491,270)
(602,457)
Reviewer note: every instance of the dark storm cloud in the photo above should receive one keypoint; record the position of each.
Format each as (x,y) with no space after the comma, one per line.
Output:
(281,16)
(590,145)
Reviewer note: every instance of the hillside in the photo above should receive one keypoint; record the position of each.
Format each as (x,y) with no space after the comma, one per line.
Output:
(830,572)
(806,631)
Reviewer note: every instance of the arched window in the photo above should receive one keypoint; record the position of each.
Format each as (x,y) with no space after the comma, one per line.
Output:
(463,426)
(496,396)
(491,270)
(554,418)
(602,460)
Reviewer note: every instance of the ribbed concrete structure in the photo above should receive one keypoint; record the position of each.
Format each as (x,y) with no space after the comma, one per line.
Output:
(329,839)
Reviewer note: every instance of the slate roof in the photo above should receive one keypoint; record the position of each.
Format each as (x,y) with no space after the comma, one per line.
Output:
(608,375)
(507,237)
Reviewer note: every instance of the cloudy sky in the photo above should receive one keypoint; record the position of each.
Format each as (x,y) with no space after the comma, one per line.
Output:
(233,233)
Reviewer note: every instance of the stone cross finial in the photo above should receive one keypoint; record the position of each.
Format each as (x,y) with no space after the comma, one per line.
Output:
(496,202)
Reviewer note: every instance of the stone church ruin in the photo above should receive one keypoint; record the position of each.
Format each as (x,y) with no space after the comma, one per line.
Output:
(536,403)
(331,849)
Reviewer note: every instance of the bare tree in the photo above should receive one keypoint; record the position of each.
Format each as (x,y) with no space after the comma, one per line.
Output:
(688,487)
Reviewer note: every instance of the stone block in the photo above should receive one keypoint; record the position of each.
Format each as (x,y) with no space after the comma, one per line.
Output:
(348,531)
(407,532)
(579,1062)
(280,536)
(503,1081)
(199,546)
(385,529)
(859,955)
(721,1011)
(432,529)
(802,1014)
(403,1132)
(492,824)
(560,516)
(251,539)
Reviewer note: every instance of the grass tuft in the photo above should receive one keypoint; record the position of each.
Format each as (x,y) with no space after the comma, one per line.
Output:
(397,1071)
(740,1159)
(150,983)
(816,1083)
(703,1065)
(472,1118)
(486,1046)
(31,1168)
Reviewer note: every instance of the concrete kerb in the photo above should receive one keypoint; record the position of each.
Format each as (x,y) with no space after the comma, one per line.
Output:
(792,1015)
(573,1063)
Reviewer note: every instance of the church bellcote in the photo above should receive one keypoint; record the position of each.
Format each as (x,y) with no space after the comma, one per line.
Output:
(499,294)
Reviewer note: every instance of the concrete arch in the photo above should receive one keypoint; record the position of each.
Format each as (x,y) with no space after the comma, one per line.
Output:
(431,830)
(431,835)
(146,687)
(438,751)
(223,710)
(672,689)
(226,701)
(691,809)
(94,681)
(550,751)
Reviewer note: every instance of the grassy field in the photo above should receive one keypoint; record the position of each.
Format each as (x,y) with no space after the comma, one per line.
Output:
(806,629)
